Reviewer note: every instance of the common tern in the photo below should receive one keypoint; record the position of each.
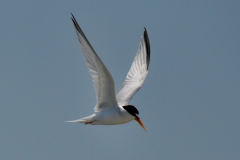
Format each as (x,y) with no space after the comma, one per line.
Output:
(112,109)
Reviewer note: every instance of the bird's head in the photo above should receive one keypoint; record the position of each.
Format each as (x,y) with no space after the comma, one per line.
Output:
(134,112)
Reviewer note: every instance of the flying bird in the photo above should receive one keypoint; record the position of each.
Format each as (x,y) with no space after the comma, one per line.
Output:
(112,109)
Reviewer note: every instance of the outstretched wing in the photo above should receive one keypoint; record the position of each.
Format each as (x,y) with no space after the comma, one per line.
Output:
(137,73)
(102,79)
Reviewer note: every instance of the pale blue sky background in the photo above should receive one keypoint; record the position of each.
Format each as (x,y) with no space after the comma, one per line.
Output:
(189,102)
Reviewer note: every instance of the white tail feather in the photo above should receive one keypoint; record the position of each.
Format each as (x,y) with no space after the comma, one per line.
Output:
(78,120)
(83,120)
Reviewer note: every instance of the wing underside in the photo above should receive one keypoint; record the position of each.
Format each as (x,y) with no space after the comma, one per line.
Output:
(137,73)
(102,79)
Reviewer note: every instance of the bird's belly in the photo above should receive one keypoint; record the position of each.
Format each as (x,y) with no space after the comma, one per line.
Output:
(111,118)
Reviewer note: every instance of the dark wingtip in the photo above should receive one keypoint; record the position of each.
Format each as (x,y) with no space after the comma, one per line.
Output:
(72,16)
(147,43)
(75,23)
(74,20)
(79,31)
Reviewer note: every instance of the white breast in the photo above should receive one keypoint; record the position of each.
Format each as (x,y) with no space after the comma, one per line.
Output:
(111,117)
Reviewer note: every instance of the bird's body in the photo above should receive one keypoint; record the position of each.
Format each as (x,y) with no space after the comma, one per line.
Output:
(107,117)
(114,109)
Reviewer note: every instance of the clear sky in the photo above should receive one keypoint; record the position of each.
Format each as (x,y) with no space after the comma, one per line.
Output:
(189,102)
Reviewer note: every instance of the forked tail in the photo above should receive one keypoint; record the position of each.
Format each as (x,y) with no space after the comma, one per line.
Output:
(85,120)
(78,120)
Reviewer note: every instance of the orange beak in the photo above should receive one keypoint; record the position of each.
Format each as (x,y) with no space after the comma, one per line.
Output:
(140,122)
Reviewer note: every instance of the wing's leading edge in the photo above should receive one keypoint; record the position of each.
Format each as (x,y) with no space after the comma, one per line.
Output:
(102,79)
(137,73)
